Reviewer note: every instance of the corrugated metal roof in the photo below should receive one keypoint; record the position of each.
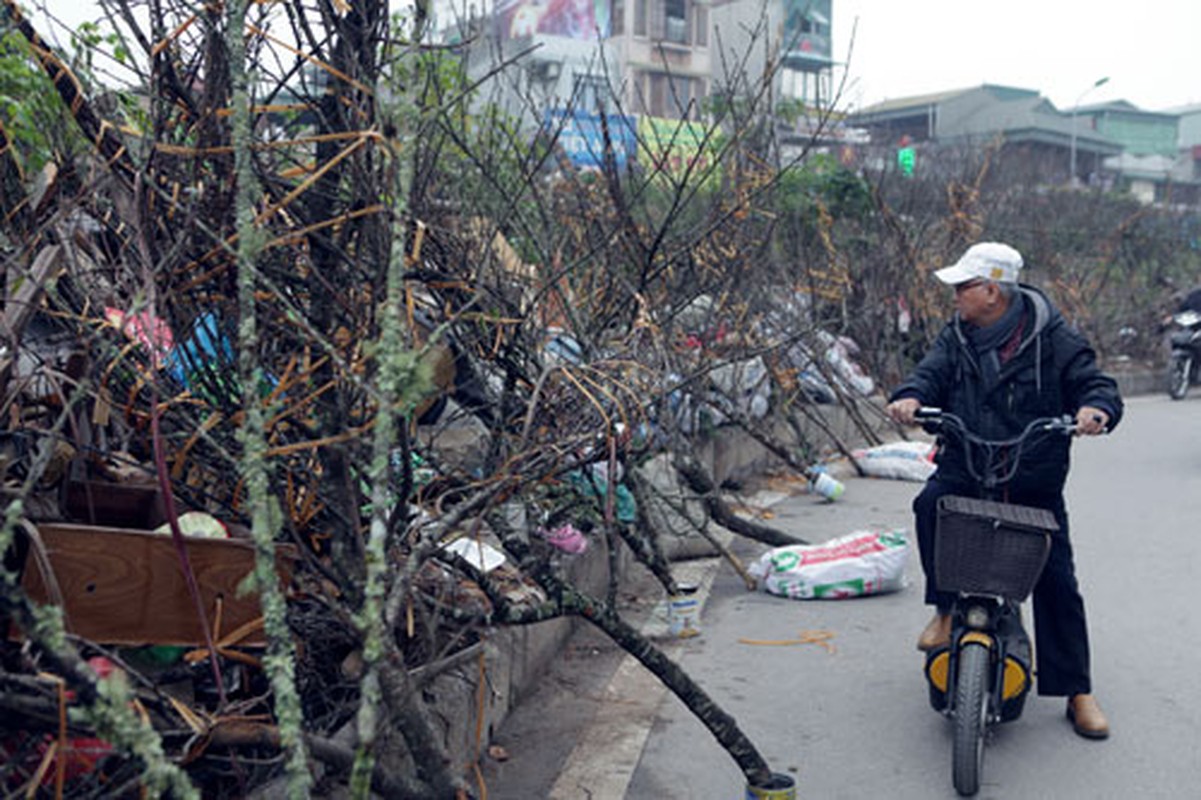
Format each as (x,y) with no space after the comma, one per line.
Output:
(1019,115)
(914,101)
(999,93)
(1024,116)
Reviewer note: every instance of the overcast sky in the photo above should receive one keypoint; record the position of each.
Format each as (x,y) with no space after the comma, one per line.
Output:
(1149,49)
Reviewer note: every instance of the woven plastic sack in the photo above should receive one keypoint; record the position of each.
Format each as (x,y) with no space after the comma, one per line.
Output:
(858,564)
(904,461)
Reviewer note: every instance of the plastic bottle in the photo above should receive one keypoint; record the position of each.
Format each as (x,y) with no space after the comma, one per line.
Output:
(824,484)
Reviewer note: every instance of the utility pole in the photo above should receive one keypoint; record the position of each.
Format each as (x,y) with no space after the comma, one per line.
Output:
(1072,171)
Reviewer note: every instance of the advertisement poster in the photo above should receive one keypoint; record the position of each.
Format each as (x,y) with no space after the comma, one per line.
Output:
(582,136)
(574,19)
(677,148)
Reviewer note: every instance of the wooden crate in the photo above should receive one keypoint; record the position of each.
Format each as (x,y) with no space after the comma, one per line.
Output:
(118,505)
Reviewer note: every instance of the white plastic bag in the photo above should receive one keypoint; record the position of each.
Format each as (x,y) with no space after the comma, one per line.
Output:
(840,353)
(904,461)
(858,564)
(745,384)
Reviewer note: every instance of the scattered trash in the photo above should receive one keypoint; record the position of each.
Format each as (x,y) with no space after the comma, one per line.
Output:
(95,573)
(204,344)
(778,787)
(145,328)
(566,537)
(80,756)
(596,485)
(746,384)
(198,524)
(821,638)
(824,484)
(480,555)
(815,388)
(858,564)
(563,348)
(684,613)
(840,352)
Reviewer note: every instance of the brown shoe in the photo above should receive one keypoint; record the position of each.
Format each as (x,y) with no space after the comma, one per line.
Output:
(1087,718)
(936,634)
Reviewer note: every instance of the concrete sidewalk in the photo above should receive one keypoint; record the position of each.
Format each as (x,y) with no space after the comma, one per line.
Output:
(753,659)
(585,732)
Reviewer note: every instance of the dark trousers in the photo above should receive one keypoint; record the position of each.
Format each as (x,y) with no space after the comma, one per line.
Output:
(1060,627)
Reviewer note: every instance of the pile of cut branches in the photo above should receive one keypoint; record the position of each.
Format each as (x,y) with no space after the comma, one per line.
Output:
(293,297)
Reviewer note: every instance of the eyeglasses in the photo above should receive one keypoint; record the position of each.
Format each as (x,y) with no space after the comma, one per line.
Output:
(963,287)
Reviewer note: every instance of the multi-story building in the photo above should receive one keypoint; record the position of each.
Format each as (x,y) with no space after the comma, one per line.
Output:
(787,40)
(1141,133)
(1151,165)
(649,59)
(663,53)
(657,57)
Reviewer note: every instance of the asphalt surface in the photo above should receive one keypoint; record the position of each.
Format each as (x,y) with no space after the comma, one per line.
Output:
(850,718)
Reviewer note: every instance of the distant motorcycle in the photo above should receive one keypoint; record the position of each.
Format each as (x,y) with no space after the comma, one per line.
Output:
(1185,341)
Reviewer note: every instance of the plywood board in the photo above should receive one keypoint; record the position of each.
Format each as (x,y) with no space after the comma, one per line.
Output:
(123,586)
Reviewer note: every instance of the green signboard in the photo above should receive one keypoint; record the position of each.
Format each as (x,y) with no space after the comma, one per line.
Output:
(677,149)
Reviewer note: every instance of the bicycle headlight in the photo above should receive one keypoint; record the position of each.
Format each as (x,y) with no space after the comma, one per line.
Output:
(977,618)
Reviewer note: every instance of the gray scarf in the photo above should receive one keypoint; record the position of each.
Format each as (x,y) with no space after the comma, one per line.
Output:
(986,340)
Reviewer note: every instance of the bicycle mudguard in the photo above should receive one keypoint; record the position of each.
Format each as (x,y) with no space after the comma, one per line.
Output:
(938,666)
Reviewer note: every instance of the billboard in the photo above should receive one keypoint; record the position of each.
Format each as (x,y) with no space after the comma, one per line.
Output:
(675,148)
(805,37)
(573,19)
(582,136)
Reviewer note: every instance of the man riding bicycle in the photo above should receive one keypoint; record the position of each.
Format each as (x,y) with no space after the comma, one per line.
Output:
(1007,357)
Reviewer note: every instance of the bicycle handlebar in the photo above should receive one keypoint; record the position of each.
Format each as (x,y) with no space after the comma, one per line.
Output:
(944,420)
(1064,424)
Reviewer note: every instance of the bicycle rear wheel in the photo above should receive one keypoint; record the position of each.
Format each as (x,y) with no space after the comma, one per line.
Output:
(971,718)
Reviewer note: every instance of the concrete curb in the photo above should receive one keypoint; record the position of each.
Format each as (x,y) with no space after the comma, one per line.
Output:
(1132,384)
(473,700)
(604,759)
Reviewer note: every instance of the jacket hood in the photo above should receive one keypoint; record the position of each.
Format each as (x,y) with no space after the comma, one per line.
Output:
(1044,314)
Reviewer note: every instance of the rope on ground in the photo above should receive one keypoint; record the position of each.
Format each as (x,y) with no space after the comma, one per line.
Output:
(806,637)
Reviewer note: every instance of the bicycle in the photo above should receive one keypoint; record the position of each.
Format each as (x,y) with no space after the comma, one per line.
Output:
(990,554)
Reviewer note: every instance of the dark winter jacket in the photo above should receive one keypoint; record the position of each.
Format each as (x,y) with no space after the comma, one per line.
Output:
(1052,372)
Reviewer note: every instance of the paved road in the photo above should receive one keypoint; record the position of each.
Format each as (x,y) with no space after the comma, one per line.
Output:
(856,723)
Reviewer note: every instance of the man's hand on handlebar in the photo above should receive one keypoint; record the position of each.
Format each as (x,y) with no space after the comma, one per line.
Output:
(904,410)
(1091,421)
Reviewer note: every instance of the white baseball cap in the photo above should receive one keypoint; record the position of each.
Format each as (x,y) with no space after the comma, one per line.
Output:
(991,261)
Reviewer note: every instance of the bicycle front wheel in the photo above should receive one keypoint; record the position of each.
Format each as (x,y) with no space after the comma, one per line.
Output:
(971,718)
(1180,373)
